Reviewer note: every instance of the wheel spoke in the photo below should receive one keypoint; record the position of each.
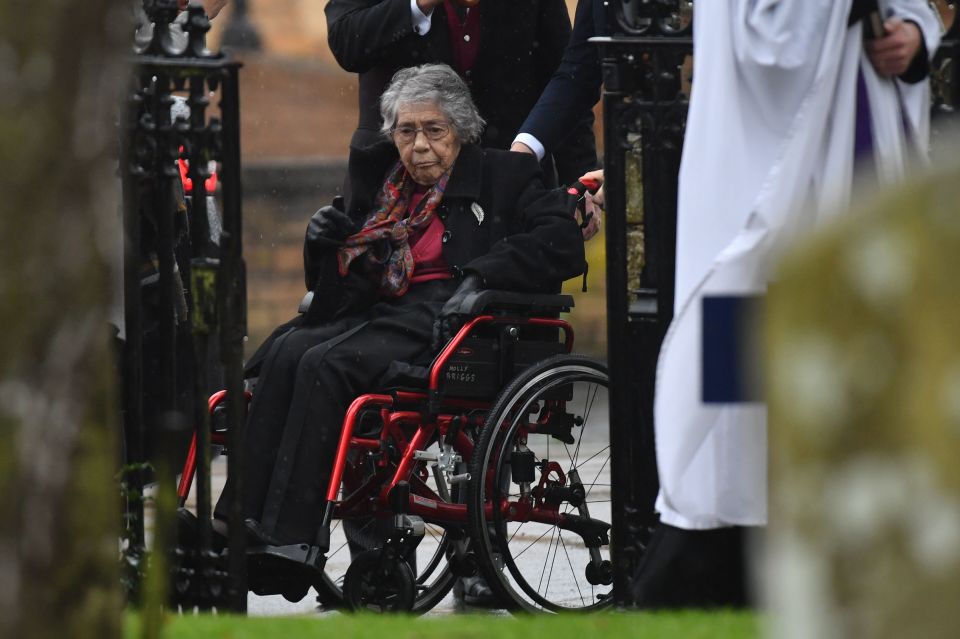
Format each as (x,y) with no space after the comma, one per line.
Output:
(522,524)
(573,572)
(597,476)
(544,571)
(592,457)
(556,551)
(530,399)
(345,543)
(531,544)
(588,407)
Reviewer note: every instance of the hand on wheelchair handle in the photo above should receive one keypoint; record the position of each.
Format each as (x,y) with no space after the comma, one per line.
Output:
(330,223)
(588,192)
(443,326)
(326,231)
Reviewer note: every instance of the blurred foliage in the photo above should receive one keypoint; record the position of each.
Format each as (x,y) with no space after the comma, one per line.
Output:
(589,316)
(864,397)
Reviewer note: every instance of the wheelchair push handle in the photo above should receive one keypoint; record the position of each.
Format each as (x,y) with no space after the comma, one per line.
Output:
(579,190)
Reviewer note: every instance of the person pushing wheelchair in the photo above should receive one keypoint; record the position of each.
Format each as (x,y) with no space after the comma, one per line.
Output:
(430,217)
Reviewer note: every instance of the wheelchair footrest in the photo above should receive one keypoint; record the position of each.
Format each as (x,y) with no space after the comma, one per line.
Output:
(284,570)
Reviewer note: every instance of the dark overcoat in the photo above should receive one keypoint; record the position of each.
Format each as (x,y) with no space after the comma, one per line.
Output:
(521,44)
(501,222)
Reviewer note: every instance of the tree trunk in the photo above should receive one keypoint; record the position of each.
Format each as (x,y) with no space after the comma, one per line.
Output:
(61,69)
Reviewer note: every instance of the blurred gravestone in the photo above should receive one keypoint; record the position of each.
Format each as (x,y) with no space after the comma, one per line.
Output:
(864,390)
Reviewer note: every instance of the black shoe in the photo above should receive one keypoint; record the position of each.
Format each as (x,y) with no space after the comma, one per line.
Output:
(693,569)
(188,532)
(474,592)
(284,570)
(257,536)
(188,528)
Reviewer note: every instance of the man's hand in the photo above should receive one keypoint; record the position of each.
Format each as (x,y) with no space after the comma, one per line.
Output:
(892,54)
(594,213)
(593,205)
(210,7)
(213,7)
(426,6)
(520,147)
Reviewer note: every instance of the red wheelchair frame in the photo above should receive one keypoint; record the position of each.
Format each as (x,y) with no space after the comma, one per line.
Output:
(410,421)
(431,509)
(440,512)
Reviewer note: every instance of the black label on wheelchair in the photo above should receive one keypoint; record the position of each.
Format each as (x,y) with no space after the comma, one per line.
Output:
(474,370)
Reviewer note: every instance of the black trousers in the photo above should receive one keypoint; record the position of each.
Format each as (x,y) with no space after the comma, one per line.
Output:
(694,569)
(308,377)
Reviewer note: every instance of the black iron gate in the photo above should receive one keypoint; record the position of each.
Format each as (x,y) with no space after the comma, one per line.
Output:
(195,281)
(647,64)
(644,111)
(183,278)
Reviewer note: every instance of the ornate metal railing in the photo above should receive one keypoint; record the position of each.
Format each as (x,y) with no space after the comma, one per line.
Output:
(644,108)
(647,63)
(183,275)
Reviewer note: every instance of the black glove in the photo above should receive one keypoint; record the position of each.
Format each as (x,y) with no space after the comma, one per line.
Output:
(330,223)
(448,319)
(327,230)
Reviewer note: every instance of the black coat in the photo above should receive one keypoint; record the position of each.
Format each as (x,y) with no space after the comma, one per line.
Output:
(521,44)
(575,87)
(527,240)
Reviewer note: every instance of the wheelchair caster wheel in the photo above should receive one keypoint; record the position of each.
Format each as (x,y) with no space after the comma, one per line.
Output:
(599,575)
(375,583)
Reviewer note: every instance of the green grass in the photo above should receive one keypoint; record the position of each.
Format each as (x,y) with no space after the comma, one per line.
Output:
(660,625)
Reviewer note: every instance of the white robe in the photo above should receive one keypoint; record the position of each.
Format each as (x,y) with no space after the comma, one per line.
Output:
(768,153)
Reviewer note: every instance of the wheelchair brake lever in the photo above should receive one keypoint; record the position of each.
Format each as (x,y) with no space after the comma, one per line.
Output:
(579,190)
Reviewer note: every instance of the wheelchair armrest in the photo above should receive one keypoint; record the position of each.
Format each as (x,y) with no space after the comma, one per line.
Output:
(492,301)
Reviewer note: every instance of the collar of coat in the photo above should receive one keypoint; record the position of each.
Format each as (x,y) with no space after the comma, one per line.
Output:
(464,178)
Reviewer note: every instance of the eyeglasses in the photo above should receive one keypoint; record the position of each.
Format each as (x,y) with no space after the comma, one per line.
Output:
(407,134)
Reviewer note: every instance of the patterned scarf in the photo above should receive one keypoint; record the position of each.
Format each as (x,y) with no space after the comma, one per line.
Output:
(385,236)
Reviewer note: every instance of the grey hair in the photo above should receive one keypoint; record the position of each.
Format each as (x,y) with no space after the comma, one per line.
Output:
(432,84)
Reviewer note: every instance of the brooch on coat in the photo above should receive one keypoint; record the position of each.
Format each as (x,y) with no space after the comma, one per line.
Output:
(477,212)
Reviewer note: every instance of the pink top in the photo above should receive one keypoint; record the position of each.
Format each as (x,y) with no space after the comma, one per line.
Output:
(427,249)
(426,245)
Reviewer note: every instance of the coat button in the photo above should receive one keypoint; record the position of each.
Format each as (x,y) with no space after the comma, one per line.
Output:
(446,236)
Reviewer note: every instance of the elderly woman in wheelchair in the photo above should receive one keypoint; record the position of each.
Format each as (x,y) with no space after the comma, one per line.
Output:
(435,234)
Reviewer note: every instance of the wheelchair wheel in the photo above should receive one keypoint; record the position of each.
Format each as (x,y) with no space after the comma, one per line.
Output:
(434,577)
(543,460)
(381,586)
